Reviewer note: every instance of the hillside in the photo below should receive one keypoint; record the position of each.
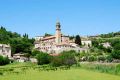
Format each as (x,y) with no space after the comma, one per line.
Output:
(19,43)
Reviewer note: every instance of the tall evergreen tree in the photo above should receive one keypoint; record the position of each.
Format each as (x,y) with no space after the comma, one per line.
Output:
(78,40)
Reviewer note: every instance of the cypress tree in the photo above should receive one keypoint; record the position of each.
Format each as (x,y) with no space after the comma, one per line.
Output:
(78,40)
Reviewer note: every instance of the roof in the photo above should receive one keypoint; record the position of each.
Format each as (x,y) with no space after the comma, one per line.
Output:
(48,37)
(18,54)
(4,45)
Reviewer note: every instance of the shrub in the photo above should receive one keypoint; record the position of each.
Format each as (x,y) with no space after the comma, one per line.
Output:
(116,54)
(43,58)
(56,61)
(35,52)
(91,58)
(101,58)
(1,60)
(109,58)
(4,60)
(68,58)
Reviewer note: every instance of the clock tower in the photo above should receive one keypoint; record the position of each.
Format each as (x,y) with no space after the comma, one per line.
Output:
(58,33)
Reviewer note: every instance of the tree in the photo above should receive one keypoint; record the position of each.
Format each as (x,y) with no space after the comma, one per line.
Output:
(91,58)
(27,55)
(56,61)
(68,58)
(43,58)
(115,54)
(25,36)
(95,43)
(46,34)
(21,45)
(35,52)
(16,41)
(101,58)
(109,58)
(78,40)
(115,43)
(71,37)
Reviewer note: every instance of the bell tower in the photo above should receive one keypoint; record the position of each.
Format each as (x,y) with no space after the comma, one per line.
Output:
(58,33)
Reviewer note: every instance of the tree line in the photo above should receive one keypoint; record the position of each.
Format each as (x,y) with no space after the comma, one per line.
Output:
(19,43)
(112,34)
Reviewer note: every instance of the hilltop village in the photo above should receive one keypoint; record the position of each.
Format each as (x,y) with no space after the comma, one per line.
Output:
(21,48)
(59,42)
(52,44)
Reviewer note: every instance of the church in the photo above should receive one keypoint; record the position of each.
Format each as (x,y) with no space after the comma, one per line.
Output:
(56,43)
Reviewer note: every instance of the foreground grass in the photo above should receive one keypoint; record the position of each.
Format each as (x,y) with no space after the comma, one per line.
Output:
(72,74)
(110,68)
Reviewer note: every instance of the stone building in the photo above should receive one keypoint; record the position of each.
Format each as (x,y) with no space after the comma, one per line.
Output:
(56,43)
(5,50)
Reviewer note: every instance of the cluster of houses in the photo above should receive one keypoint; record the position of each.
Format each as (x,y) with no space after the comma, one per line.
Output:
(57,43)
(54,44)
(5,51)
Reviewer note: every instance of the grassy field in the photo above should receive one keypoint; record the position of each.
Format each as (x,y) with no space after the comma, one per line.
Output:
(110,68)
(72,74)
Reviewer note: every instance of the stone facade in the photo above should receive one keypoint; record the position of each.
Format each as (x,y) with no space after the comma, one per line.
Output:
(56,43)
(5,50)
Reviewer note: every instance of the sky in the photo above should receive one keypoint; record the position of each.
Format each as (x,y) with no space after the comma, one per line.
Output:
(83,17)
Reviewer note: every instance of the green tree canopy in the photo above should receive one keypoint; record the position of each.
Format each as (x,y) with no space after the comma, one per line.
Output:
(78,40)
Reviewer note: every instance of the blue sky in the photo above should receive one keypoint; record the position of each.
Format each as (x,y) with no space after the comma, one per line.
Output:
(84,17)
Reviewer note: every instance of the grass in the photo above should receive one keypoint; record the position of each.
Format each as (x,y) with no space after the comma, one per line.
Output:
(72,74)
(111,68)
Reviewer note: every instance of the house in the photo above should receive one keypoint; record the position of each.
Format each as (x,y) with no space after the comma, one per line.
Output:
(86,43)
(19,57)
(5,50)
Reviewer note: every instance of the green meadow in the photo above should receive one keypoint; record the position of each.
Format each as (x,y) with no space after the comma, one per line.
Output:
(70,74)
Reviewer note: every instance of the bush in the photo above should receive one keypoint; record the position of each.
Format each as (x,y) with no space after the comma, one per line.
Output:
(35,52)
(1,60)
(56,61)
(43,58)
(68,58)
(116,54)
(91,58)
(101,58)
(109,58)
(4,60)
